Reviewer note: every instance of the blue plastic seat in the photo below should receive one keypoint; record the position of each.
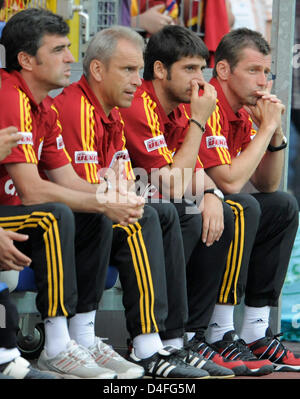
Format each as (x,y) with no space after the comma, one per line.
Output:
(27,281)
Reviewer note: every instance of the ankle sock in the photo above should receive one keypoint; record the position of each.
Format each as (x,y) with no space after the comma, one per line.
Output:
(255,323)
(56,335)
(82,328)
(176,342)
(220,323)
(145,345)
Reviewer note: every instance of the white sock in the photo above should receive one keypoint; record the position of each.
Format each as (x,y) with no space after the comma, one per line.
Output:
(255,323)
(56,335)
(220,323)
(176,342)
(145,345)
(8,355)
(82,328)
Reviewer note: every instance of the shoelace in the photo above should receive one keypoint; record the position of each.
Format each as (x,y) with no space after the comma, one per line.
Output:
(207,351)
(280,347)
(107,349)
(181,353)
(80,353)
(189,352)
(241,347)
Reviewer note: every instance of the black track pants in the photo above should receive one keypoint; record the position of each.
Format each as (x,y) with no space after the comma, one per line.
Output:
(265,229)
(154,291)
(69,255)
(205,265)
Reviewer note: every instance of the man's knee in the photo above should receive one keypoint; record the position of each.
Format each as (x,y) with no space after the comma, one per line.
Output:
(279,203)
(228,220)
(166,212)
(61,213)
(246,205)
(150,216)
(285,201)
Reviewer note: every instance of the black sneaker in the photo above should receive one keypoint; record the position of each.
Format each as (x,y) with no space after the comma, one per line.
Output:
(234,348)
(269,347)
(168,363)
(195,359)
(199,345)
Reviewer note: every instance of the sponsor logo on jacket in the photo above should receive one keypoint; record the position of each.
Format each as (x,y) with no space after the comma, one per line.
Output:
(26,138)
(155,143)
(86,157)
(216,141)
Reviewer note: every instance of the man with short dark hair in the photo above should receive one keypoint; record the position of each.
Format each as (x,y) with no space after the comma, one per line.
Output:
(173,77)
(12,365)
(70,258)
(233,153)
(154,290)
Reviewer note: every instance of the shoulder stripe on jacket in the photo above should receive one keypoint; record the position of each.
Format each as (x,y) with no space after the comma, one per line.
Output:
(26,126)
(88,137)
(215,126)
(153,123)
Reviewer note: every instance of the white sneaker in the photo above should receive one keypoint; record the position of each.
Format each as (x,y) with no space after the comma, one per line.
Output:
(20,369)
(75,362)
(105,356)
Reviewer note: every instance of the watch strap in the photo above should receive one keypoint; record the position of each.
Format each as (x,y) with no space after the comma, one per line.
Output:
(271,148)
(215,192)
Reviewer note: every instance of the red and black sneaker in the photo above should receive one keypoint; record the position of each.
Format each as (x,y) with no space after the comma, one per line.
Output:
(199,345)
(269,347)
(233,348)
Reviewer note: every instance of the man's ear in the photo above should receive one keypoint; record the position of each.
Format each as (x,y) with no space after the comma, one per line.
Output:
(25,60)
(223,69)
(159,70)
(96,70)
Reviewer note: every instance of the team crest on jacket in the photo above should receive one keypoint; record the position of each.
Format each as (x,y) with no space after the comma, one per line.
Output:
(216,141)
(155,143)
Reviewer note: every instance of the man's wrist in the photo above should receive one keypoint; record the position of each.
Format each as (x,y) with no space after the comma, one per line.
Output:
(215,191)
(105,184)
(281,146)
(198,123)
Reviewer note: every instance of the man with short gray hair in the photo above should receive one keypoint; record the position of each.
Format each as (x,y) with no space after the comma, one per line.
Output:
(149,255)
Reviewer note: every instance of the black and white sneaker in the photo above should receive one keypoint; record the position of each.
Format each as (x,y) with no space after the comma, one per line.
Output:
(195,359)
(168,363)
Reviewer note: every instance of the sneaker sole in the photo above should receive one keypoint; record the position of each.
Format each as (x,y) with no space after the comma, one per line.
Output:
(240,370)
(264,370)
(206,377)
(285,367)
(125,376)
(75,377)
(65,376)
(222,377)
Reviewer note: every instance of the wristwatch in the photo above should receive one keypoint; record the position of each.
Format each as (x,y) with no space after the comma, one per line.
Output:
(218,193)
(280,147)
